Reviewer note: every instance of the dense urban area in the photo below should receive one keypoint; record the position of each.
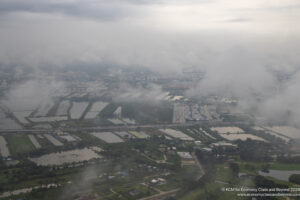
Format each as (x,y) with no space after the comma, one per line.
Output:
(126,133)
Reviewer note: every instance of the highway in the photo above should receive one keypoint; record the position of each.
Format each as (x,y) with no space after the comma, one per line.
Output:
(124,127)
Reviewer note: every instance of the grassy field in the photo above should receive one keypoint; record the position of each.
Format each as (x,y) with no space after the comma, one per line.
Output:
(284,166)
(225,174)
(19,144)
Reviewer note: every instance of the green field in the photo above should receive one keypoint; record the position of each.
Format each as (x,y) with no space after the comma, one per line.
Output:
(19,144)
(225,174)
(285,166)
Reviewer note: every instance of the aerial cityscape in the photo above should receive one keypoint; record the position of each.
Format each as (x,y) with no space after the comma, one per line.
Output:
(147,100)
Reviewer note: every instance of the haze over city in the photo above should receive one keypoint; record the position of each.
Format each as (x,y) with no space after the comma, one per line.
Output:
(140,99)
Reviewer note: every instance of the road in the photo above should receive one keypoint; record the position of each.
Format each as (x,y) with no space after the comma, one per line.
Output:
(123,127)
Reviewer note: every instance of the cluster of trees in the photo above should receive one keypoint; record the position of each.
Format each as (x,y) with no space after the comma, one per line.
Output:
(234,168)
(295,178)
(262,182)
(251,150)
(159,112)
(30,172)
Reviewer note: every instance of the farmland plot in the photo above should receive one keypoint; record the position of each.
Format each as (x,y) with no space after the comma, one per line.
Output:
(21,116)
(284,138)
(7,123)
(241,136)
(91,115)
(44,108)
(107,137)
(287,131)
(176,134)
(34,141)
(278,135)
(229,129)
(96,108)
(128,121)
(78,109)
(63,108)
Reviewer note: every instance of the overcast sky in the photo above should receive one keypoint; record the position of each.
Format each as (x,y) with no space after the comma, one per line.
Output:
(159,34)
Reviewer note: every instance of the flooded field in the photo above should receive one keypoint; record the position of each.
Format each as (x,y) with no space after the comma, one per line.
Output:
(108,137)
(91,115)
(3,147)
(176,134)
(77,155)
(34,141)
(78,109)
(286,139)
(44,108)
(7,123)
(241,136)
(288,131)
(258,128)
(63,108)
(229,129)
(54,141)
(116,121)
(96,108)
(279,174)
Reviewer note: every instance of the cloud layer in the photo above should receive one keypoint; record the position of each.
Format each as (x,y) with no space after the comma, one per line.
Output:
(241,45)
